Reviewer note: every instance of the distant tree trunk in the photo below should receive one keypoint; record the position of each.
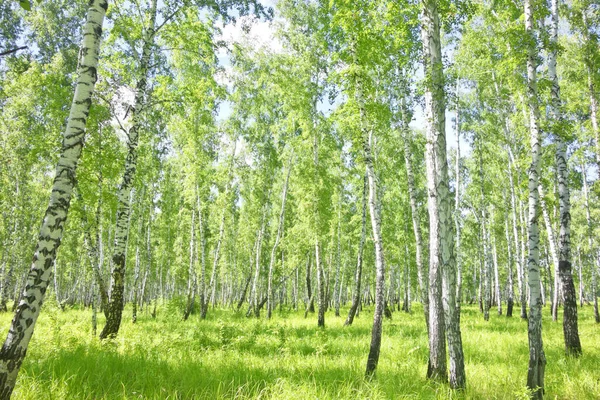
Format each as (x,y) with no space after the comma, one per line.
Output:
(421,269)
(593,258)
(202,239)
(116,302)
(217,254)
(358,275)
(498,294)
(321,300)
(518,255)
(244,292)
(270,304)
(337,285)
(457,211)
(537,359)
(310,307)
(443,315)
(136,278)
(485,240)
(553,252)
(511,293)
(375,212)
(192,277)
(21,328)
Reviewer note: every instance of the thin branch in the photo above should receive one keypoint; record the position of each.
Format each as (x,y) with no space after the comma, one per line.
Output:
(7,52)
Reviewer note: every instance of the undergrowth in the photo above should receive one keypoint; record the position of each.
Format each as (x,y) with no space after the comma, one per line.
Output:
(228,356)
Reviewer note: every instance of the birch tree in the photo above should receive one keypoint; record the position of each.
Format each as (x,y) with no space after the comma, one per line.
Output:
(21,328)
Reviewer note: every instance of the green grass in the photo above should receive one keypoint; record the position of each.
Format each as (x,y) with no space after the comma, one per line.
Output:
(229,356)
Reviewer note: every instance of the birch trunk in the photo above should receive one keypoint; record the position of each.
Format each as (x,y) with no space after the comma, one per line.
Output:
(421,271)
(270,299)
(116,303)
(441,243)
(361,245)
(590,235)
(457,213)
(553,252)
(192,278)
(563,274)
(375,212)
(21,328)
(510,291)
(537,359)
(202,239)
(337,285)
(498,294)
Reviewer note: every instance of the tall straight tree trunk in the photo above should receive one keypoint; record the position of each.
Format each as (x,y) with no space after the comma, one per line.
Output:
(270,303)
(338,261)
(359,262)
(537,359)
(485,241)
(375,212)
(553,251)
(593,258)
(518,255)
(510,291)
(202,240)
(457,214)
(497,292)
(192,277)
(563,274)
(21,328)
(318,264)
(590,44)
(421,269)
(442,266)
(116,303)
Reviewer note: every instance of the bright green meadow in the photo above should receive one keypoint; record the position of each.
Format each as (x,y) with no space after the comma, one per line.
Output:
(229,356)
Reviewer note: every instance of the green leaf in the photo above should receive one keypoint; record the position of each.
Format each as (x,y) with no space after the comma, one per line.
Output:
(25,4)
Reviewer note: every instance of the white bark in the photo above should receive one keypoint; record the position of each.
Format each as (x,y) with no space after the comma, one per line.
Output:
(116,303)
(270,303)
(443,317)
(537,359)
(51,232)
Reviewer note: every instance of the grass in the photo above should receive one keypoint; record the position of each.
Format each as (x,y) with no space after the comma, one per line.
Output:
(230,357)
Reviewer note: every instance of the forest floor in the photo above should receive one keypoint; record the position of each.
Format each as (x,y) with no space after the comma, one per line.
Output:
(229,356)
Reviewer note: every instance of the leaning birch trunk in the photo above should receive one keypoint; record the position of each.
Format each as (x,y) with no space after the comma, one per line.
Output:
(116,303)
(443,316)
(553,252)
(375,212)
(21,328)
(361,246)
(270,302)
(416,223)
(564,275)
(537,359)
